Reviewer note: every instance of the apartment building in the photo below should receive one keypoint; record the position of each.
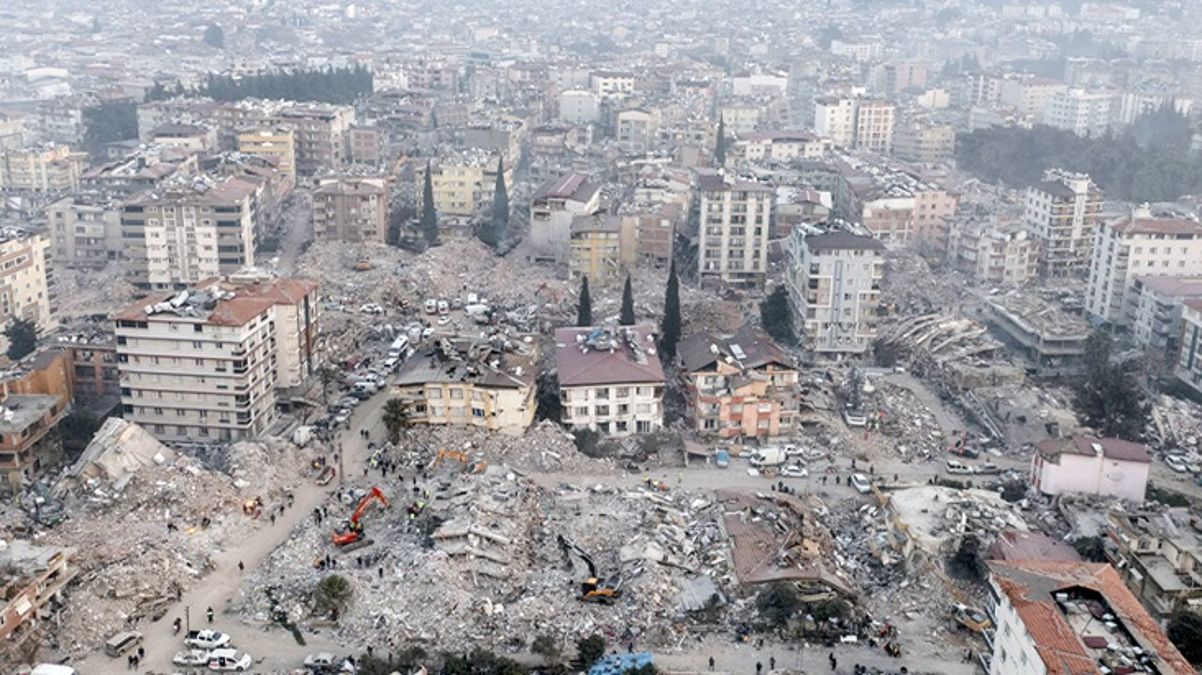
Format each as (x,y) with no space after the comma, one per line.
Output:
(924,143)
(203,365)
(1139,245)
(463,182)
(602,247)
(1107,467)
(25,279)
(577,106)
(351,209)
(1030,95)
(50,168)
(32,579)
(611,83)
(556,203)
(835,118)
(1063,211)
(655,227)
(180,234)
(742,117)
(610,380)
(780,146)
(997,253)
(319,134)
(85,230)
(636,129)
(733,231)
(366,145)
(834,282)
(1153,309)
(275,142)
(1045,616)
(1085,113)
(465,381)
(1189,359)
(874,125)
(740,386)
(1158,554)
(34,397)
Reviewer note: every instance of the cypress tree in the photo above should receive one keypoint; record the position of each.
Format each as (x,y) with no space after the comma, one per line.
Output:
(669,332)
(720,150)
(626,316)
(584,310)
(497,229)
(429,221)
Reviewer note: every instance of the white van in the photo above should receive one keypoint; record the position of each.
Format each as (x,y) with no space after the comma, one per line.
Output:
(53,669)
(431,306)
(957,467)
(397,349)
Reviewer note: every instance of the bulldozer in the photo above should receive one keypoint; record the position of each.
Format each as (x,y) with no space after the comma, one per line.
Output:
(594,588)
(352,530)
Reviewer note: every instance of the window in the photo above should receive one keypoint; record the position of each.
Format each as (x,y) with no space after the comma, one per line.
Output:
(602,411)
(434,394)
(457,394)
(601,392)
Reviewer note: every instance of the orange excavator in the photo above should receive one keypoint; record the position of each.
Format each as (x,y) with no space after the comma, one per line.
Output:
(352,531)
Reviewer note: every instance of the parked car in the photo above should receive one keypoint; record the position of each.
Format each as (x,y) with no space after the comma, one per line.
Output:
(955,467)
(122,642)
(371,308)
(431,306)
(794,471)
(345,402)
(444,319)
(341,417)
(206,639)
(443,307)
(860,482)
(229,659)
(326,663)
(1177,463)
(197,658)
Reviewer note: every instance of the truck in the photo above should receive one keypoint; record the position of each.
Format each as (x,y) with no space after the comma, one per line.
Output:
(768,457)
(206,639)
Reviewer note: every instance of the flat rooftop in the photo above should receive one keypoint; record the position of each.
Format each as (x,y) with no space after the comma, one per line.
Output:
(19,411)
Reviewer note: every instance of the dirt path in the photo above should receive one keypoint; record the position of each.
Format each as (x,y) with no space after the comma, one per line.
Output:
(220,586)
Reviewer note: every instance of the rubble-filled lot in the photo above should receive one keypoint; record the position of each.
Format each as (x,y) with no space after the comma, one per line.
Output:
(91,292)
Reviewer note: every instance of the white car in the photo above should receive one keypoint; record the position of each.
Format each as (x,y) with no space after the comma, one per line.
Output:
(1177,463)
(193,657)
(206,639)
(860,482)
(794,471)
(444,319)
(431,306)
(371,308)
(342,416)
(229,659)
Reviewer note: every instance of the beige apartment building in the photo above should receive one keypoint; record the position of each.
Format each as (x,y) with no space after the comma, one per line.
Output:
(834,283)
(553,208)
(1138,246)
(24,280)
(1063,211)
(203,365)
(602,247)
(275,142)
(924,143)
(874,125)
(351,210)
(177,236)
(610,379)
(85,230)
(463,182)
(733,236)
(50,168)
(319,134)
(32,579)
(993,252)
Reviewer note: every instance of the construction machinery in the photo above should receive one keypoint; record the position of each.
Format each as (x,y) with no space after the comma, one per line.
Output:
(970,619)
(594,588)
(352,530)
(461,457)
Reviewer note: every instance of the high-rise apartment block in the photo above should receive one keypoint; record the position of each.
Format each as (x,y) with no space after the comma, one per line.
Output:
(351,210)
(1063,212)
(733,236)
(1138,246)
(834,283)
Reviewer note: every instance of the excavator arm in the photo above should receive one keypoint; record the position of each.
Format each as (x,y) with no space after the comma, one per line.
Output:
(356,529)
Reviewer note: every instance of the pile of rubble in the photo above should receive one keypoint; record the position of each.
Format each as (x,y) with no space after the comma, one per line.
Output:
(88,292)
(479,562)
(1176,423)
(175,514)
(910,287)
(545,447)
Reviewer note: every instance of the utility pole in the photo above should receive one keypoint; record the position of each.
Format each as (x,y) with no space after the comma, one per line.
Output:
(341,471)
(188,618)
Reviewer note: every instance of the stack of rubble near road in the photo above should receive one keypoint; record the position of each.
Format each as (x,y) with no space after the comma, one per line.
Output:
(481,564)
(131,573)
(1176,423)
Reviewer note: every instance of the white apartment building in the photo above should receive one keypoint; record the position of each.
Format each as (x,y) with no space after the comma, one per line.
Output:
(554,206)
(85,230)
(741,118)
(610,379)
(24,287)
(51,168)
(733,238)
(203,365)
(1154,308)
(1063,212)
(994,253)
(835,118)
(611,83)
(1107,467)
(1029,95)
(636,129)
(578,106)
(1082,112)
(177,236)
(780,146)
(1138,246)
(834,288)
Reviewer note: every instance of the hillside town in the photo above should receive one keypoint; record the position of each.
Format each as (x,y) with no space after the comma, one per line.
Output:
(513,337)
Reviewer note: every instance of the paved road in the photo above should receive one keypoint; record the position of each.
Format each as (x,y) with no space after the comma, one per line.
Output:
(222,585)
(297,229)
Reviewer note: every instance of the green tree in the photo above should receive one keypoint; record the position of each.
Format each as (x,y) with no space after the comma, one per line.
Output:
(22,337)
(333,595)
(720,147)
(396,418)
(626,315)
(1109,399)
(670,324)
(777,603)
(584,307)
(76,430)
(214,36)
(590,649)
(1185,630)
(327,374)
(429,221)
(547,647)
(496,230)
(777,318)
(1090,548)
(108,122)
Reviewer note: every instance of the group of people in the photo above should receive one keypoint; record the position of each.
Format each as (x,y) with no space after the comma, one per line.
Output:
(133,660)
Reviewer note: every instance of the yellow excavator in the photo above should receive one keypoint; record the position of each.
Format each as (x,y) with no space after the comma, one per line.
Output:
(461,457)
(594,588)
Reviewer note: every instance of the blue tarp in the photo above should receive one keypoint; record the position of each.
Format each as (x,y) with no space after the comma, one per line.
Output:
(616,664)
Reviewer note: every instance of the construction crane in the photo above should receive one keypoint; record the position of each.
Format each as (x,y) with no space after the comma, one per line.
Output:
(352,530)
(594,588)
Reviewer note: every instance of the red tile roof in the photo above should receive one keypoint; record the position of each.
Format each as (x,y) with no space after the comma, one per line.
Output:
(601,366)
(1171,226)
